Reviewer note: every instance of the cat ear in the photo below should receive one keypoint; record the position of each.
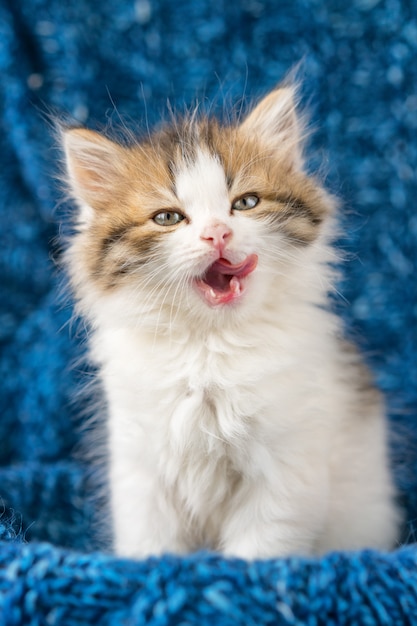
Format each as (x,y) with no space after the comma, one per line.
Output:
(275,123)
(93,164)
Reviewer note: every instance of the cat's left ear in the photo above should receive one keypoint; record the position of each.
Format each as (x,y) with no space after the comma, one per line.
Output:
(94,165)
(276,124)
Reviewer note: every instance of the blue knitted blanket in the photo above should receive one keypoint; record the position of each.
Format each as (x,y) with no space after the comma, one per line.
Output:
(94,61)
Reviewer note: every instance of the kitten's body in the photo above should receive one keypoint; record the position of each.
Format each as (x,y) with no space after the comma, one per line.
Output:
(237,420)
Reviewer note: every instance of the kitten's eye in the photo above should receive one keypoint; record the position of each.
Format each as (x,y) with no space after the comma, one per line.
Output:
(245,203)
(168,218)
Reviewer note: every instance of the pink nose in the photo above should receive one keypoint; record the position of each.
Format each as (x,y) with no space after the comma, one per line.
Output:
(217,235)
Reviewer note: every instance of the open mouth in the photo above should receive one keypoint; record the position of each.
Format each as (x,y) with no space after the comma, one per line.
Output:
(224,282)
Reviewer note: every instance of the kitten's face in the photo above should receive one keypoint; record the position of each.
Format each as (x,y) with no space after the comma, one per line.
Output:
(200,216)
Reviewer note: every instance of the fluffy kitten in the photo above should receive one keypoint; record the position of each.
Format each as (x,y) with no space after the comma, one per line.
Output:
(238,420)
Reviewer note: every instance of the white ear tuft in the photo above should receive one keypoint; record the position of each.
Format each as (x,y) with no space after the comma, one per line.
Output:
(275,123)
(93,165)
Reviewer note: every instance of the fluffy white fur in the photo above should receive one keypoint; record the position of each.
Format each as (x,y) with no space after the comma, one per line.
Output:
(240,427)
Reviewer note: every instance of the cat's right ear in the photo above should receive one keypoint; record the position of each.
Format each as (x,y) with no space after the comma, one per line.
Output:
(278,126)
(93,165)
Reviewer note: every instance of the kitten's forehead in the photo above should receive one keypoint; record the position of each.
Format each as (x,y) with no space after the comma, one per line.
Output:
(201,185)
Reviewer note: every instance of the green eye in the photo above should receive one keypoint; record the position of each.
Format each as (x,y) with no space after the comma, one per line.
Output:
(245,203)
(168,218)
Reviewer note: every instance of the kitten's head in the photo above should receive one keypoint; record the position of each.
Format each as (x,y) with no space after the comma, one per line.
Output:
(200,218)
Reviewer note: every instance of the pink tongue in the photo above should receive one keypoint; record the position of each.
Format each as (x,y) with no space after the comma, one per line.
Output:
(222,281)
(223,266)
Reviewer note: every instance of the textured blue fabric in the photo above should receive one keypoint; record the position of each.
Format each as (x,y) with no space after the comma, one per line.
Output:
(92,61)
(43,585)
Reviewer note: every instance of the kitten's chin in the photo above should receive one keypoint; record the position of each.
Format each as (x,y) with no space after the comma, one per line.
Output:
(224,283)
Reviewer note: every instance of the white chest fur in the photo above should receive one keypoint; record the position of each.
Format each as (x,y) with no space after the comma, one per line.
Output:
(242,444)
